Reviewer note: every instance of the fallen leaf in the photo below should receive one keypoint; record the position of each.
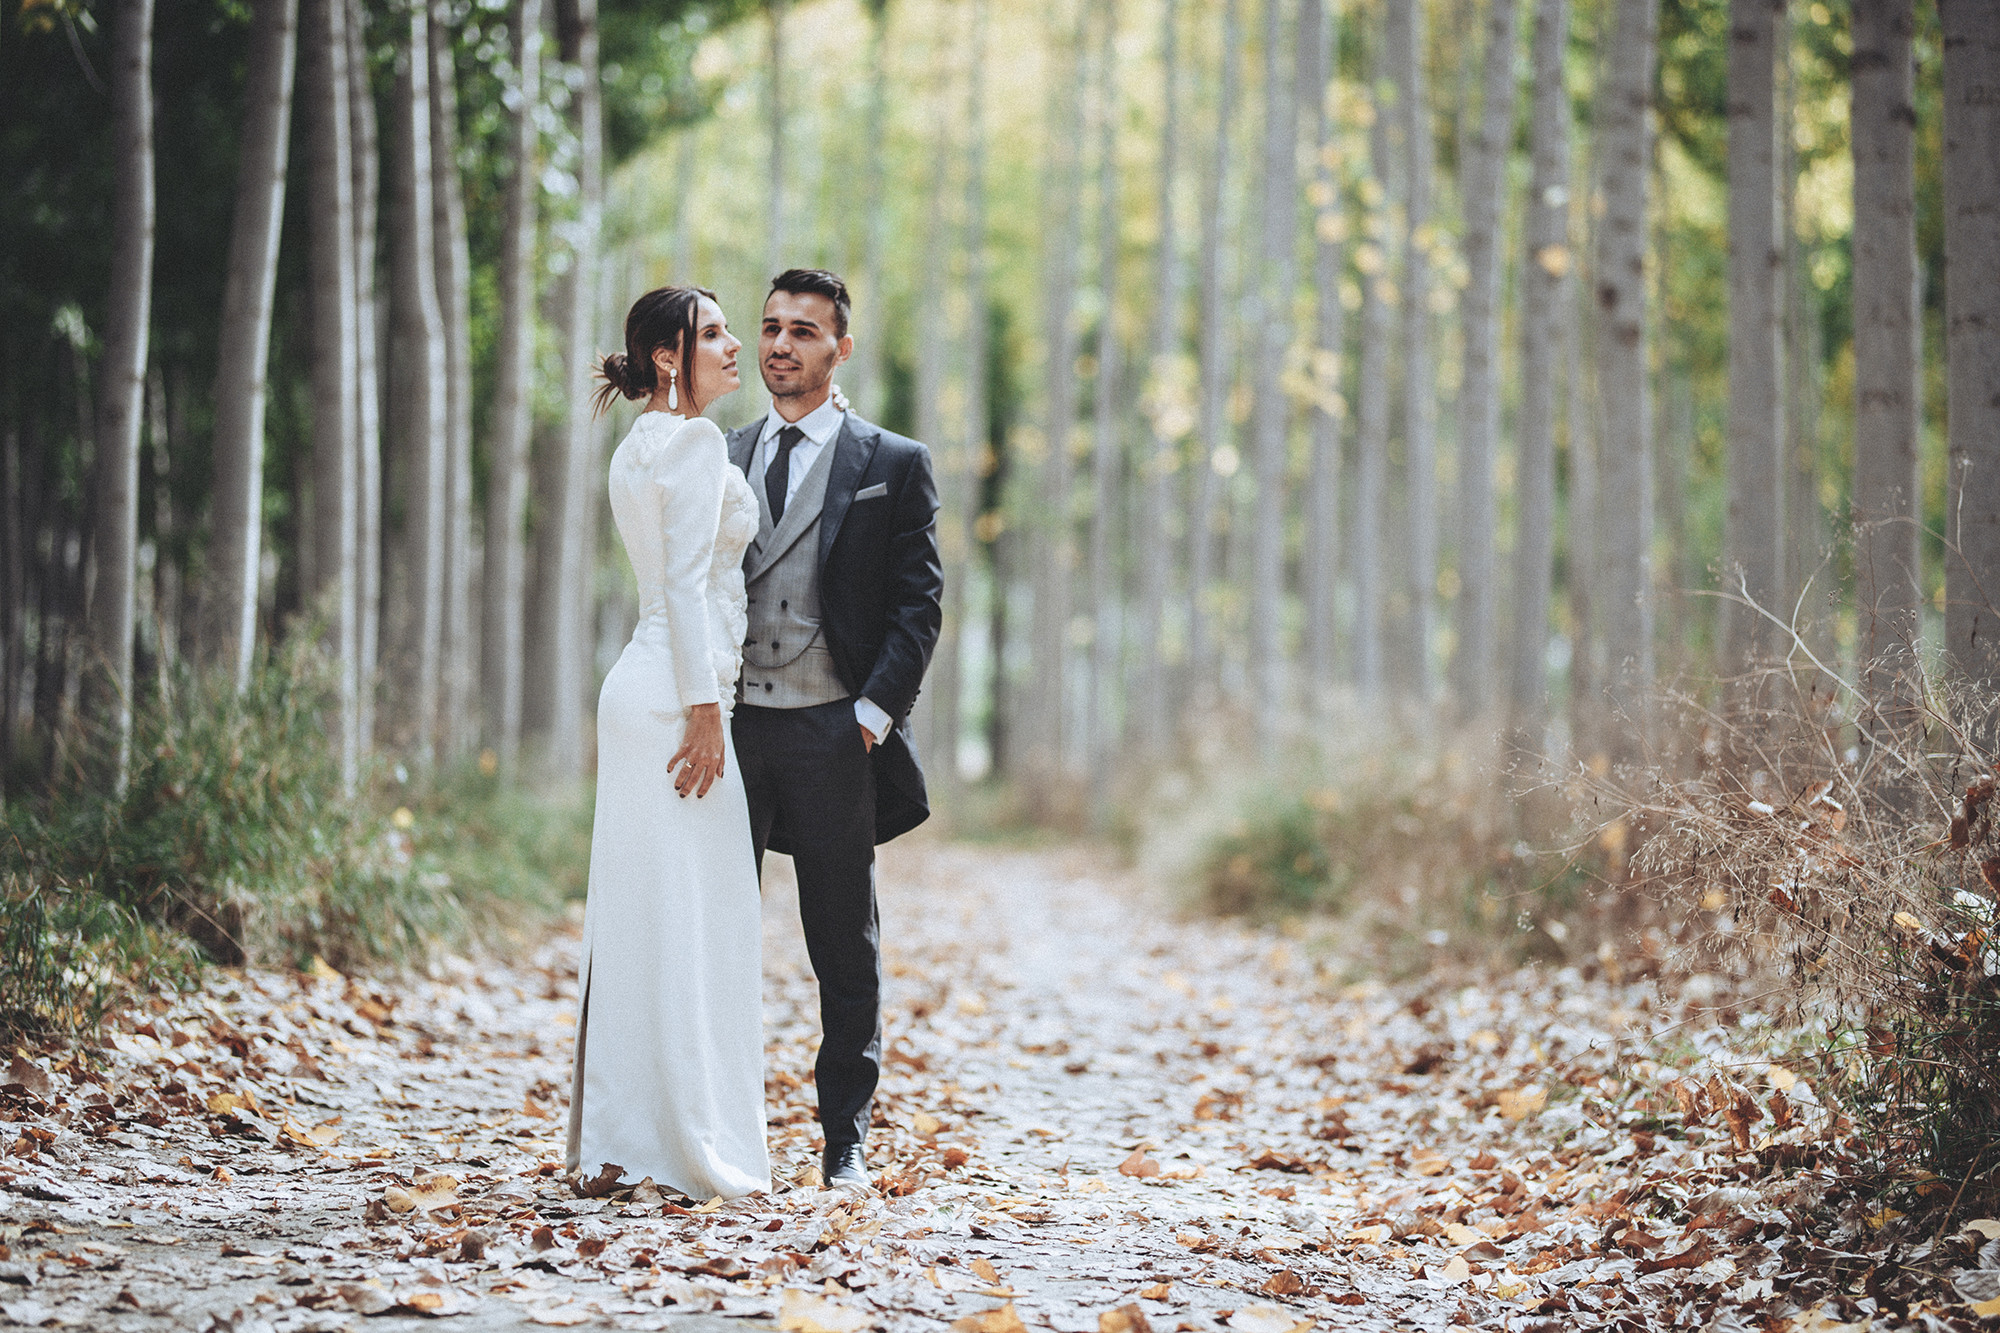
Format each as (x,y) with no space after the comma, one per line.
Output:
(398,1200)
(1428,1162)
(1462,1235)
(956,1156)
(1000,1319)
(26,1076)
(1268,1319)
(986,1270)
(1159,1291)
(1985,1226)
(925,1125)
(33,1314)
(1139,1165)
(1284,1282)
(562,1316)
(805,1312)
(365,1298)
(1520,1103)
(1455,1272)
(1124,1319)
(1985,1308)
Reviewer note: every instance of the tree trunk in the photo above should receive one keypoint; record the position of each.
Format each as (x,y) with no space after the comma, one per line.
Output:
(336,352)
(1485,177)
(1972,338)
(1147,705)
(1317,44)
(1372,391)
(1624,370)
(1413,112)
(775,257)
(419,397)
(1216,353)
(121,383)
(935,717)
(979,457)
(368,372)
(1888,361)
(561,630)
(1753,542)
(1547,306)
(454,289)
(1583,524)
(1099,730)
(1047,735)
(505,575)
(1271,324)
(871,346)
(237,499)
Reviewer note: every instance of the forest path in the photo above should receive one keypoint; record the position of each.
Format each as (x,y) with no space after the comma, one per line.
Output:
(1090,1105)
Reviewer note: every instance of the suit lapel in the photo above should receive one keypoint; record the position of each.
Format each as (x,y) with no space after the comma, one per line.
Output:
(852,450)
(743,443)
(801,512)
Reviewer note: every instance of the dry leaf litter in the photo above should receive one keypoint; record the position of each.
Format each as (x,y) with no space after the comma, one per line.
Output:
(1094,1118)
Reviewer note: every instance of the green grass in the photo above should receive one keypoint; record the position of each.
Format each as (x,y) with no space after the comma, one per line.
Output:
(234,843)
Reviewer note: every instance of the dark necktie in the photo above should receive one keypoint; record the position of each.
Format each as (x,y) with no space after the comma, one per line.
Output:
(777,477)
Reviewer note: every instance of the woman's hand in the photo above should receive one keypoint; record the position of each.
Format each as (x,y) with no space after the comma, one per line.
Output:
(700,756)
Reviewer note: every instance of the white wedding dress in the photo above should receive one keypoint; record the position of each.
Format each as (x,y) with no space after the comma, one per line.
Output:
(669,1074)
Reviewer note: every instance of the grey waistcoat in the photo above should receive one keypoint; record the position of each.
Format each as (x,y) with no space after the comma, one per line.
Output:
(785,659)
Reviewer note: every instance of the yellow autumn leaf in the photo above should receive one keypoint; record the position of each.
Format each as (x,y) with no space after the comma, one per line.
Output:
(925,1125)
(1907,922)
(1520,1103)
(1000,1319)
(804,1312)
(1985,1308)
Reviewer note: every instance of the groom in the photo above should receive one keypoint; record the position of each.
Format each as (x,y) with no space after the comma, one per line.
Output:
(844,604)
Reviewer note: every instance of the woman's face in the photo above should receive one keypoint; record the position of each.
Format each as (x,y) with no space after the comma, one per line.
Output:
(715,349)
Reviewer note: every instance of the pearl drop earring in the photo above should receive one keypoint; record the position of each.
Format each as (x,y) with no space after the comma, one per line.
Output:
(673,390)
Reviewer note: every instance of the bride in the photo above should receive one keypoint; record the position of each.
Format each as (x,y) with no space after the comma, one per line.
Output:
(669,1075)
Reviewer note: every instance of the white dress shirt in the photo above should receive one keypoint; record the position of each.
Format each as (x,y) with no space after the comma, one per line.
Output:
(821,426)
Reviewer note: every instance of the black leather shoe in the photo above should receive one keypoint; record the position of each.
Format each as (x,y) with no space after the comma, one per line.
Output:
(845,1167)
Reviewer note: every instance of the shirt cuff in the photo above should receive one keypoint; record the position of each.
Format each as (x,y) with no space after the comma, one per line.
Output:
(879,723)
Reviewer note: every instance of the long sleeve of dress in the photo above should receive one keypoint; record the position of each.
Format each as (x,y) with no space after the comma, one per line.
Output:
(690,476)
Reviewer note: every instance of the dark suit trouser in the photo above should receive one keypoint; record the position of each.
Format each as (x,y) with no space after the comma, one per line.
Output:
(805,770)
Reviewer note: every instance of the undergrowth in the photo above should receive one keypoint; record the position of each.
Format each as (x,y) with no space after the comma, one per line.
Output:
(1847,849)
(1398,837)
(233,842)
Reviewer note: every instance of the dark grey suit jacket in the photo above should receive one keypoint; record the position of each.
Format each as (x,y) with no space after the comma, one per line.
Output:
(881,592)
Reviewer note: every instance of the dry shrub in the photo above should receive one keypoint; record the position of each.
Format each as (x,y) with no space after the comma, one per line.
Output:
(1397,828)
(1846,853)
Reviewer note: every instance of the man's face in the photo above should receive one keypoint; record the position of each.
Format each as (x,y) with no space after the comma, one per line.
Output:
(796,346)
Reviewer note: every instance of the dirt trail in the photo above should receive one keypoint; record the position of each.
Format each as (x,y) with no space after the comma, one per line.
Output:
(1090,1104)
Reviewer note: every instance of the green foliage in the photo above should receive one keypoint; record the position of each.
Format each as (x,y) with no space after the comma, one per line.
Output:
(1280,863)
(233,842)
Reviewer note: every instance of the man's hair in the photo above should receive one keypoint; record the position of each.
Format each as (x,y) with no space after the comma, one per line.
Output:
(817,282)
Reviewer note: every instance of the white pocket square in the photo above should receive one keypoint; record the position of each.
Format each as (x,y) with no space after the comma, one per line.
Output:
(875,492)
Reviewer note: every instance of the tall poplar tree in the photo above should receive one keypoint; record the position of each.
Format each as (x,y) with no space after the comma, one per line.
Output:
(1271,325)
(236,505)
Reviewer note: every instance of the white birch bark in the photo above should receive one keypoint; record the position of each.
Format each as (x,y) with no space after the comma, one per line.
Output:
(1271,326)
(935,717)
(336,354)
(1321,566)
(1368,532)
(1972,338)
(1216,353)
(458,653)
(1147,702)
(565,585)
(871,342)
(505,581)
(1753,538)
(1547,310)
(229,636)
(418,394)
(979,459)
(1046,732)
(1485,189)
(368,327)
(1625,158)
(1099,727)
(1420,520)
(776,254)
(121,384)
